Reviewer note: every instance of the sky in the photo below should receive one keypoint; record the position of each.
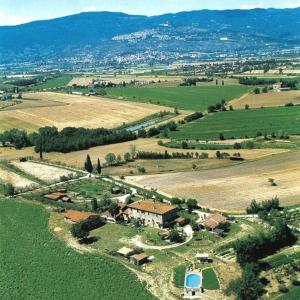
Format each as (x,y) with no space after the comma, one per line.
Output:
(13,12)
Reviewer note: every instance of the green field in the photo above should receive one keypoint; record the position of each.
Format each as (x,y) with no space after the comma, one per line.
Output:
(242,123)
(210,279)
(36,265)
(57,82)
(190,98)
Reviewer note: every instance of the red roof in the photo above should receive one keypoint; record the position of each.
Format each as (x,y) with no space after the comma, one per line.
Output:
(213,221)
(152,206)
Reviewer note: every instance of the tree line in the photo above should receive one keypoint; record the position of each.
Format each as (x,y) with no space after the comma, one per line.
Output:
(50,139)
(167,155)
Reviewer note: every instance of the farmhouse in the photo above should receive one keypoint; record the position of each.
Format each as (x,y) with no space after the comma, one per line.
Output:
(212,222)
(139,259)
(75,216)
(151,213)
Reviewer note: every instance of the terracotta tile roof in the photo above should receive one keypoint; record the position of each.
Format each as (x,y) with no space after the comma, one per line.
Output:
(210,223)
(151,206)
(218,218)
(78,216)
(213,221)
(139,257)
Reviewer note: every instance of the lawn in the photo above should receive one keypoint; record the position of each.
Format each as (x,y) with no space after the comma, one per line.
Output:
(190,98)
(113,236)
(292,294)
(210,279)
(36,265)
(242,123)
(153,236)
(179,275)
(91,188)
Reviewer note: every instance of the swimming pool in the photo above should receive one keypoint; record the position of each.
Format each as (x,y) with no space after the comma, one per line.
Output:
(193,280)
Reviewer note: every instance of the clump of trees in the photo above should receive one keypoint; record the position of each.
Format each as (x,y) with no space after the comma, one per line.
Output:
(217,107)
(193,80)
(16,137)
(153,131)
(194,116)
(255,247)
(49,139)
(82,229)
(265,206)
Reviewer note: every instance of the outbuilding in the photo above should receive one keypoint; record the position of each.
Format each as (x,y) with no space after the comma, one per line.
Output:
(139,259)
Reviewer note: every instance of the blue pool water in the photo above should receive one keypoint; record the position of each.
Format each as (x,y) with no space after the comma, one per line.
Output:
(193,280)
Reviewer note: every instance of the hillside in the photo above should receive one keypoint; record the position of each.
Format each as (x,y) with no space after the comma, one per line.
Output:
(119,37)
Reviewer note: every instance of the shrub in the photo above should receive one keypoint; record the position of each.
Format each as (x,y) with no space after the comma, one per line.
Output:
(142,169)
(282,288)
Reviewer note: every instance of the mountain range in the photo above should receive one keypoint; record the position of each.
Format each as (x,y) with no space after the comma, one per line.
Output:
(109,37)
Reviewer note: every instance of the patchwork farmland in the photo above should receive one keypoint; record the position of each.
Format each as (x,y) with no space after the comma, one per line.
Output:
(63,110)
(189,98)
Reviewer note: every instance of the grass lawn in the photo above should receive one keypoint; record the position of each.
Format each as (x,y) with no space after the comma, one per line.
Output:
(241,123)
(210,279)
(292,294)
(36,265)
(179,275)
(111,236)
(190,98)
(91,188)
(152,236)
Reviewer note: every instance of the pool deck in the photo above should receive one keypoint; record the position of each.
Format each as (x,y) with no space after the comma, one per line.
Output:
(193,292)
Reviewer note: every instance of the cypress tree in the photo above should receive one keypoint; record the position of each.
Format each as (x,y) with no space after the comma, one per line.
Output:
(88,164)
(99,167)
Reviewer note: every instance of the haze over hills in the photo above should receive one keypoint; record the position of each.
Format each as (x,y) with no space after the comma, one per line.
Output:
(108,37)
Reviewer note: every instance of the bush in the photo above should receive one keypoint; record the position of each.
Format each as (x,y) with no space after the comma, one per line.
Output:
(142,170)
(9,190)
(282,288)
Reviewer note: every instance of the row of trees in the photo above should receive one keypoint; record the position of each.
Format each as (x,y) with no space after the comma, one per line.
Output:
(153,131)
(69,139)
(167,155)
(256,81)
